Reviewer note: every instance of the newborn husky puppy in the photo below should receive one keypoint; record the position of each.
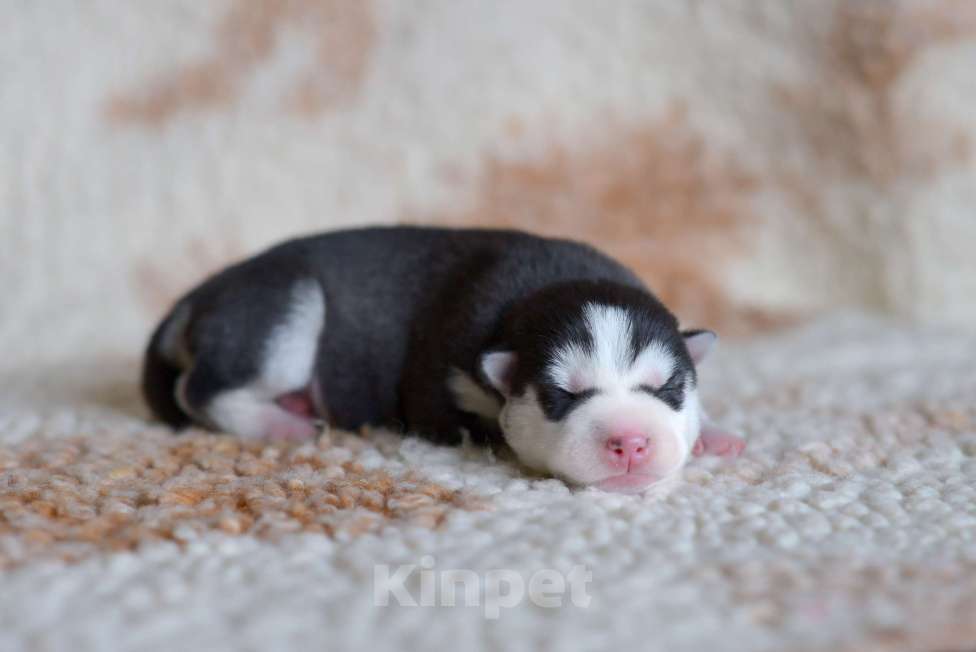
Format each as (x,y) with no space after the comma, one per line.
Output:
(545,345)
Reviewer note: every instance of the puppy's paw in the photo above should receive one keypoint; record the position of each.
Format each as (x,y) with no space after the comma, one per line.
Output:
(715,441)
(285,427)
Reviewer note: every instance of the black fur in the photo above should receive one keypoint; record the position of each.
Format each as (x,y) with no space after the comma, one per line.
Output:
(404,305)
(548,319)
(159,377)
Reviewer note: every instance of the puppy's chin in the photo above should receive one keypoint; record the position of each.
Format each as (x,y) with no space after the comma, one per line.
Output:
(627,483)
(639,484)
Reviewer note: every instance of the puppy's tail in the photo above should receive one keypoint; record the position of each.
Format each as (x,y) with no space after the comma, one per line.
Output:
(161,371)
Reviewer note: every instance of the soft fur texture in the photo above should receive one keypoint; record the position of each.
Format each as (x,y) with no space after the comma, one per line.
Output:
(597,384)
(750,158)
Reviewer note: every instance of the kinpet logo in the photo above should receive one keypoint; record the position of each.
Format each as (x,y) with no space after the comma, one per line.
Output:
(494,590)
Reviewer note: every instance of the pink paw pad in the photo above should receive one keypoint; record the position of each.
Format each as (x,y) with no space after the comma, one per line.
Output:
(285,427)
(298,403)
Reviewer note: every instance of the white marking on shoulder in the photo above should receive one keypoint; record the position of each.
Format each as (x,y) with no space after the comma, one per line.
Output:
(470,397)
(289,353)
(609,363)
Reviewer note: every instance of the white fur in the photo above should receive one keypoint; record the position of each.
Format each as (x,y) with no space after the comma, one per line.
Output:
(288,363)
(470,397)
(247,413)
(653,366)
(609,364)
(242,412)
(289,354)
(574,448)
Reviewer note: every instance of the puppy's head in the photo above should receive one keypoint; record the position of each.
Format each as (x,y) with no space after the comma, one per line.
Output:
(599,385)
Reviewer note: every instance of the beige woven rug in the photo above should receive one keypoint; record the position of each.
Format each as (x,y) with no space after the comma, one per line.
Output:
(850,523)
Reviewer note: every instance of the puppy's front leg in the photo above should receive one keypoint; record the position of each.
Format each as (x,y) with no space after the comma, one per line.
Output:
(713,440)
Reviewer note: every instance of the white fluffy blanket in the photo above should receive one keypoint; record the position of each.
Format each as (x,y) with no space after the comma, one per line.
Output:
(848,524)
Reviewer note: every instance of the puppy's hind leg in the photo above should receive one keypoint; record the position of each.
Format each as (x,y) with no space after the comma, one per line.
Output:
(251,414)
(165,361)
(273,401)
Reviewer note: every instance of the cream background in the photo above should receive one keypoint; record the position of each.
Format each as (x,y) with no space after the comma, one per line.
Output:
(769,158)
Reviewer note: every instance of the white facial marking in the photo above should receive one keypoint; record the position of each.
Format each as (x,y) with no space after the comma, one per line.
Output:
(470,397)
(609,364)
(653,366)
(575,447)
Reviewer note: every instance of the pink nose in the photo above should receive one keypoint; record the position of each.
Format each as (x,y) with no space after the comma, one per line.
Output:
(628,452)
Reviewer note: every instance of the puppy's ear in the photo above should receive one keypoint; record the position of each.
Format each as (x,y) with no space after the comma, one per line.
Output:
(699,343)
(498,368)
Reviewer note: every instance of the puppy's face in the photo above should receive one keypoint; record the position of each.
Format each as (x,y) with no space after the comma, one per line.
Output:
(604,396)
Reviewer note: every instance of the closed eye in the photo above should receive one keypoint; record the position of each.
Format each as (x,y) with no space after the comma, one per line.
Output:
(578,395)
(651,389)
(671,392)
(558,402)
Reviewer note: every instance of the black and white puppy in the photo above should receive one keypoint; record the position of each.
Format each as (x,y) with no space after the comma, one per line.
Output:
(545,345)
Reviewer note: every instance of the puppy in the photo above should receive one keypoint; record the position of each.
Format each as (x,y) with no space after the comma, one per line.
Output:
(544,345)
